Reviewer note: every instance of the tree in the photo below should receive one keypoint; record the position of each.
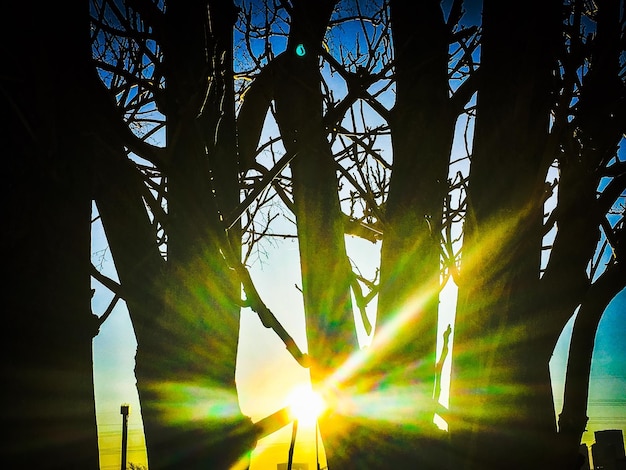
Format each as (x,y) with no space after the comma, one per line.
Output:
(513,305)
(184,303)
(367,99)
(521,305)
(599,136)
(47,392)
(503,239)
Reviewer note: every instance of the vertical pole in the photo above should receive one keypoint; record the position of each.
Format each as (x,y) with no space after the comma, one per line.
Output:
(124,410)
(317,451)
(292,445)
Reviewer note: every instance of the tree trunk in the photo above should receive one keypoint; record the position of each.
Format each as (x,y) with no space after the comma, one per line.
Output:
(502,394)
(201,317)
(402,354)
(598,123)
(422,127)
(326,273)
(185,310)
(573,418)
(49,419)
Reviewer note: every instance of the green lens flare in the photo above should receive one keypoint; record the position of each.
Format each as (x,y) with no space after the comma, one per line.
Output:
(300,50)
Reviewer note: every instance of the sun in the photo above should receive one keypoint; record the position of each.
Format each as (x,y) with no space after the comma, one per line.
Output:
(305,404)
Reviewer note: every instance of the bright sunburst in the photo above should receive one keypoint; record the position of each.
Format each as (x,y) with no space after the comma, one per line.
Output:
(305,405)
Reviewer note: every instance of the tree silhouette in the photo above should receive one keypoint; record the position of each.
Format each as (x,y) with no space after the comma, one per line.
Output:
(48,135)
(170,248)
(369,101)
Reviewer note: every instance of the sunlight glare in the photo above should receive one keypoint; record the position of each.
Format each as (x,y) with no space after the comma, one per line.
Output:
(305,404)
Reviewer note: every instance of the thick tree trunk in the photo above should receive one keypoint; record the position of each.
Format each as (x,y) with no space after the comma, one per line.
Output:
(599,124)
(201,317)
(422,128)
(185,310)
(326,273)
(502,394)
(573,418)
(401,357)
(49,417)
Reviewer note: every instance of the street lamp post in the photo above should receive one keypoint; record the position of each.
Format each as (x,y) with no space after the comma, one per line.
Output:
(124,410)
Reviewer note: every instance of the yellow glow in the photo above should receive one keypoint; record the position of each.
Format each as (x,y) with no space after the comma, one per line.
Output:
(306,405)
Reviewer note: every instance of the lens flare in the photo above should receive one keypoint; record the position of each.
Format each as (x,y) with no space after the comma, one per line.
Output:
(306,405)
(182,403)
